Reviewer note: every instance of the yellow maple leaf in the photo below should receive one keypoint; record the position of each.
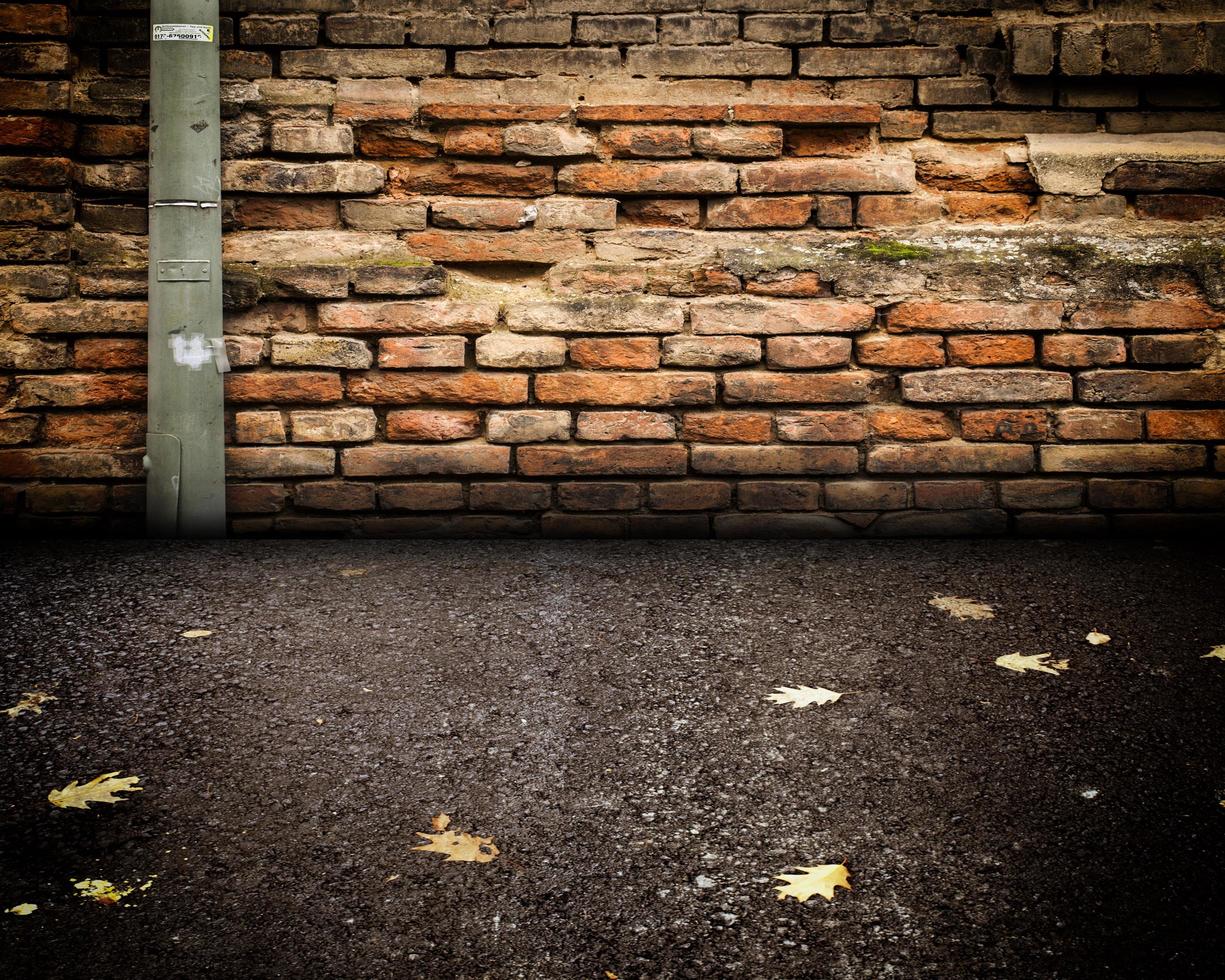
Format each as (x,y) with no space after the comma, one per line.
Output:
(31,702)
(25,908)
(1217,652)
(440,822)
(960,608)
(1096,638)
(820,879)
(105,892)
(1037,661)
(459,846)
(802,697)
(195,634)
(100,789)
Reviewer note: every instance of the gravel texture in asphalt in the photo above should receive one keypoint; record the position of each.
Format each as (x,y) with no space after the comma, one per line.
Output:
(600,711)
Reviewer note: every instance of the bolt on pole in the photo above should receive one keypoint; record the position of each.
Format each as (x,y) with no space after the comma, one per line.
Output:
(185,455)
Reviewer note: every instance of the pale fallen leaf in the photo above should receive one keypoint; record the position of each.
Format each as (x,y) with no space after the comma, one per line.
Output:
(960,608)
(821,880)
(31,702)
(352,572)
(107,893)
(802,697)
(440,822)
(1037,661)
(459,846)
(100,789)
(1096,638)
(1218,652)
(195,634)
(25,908)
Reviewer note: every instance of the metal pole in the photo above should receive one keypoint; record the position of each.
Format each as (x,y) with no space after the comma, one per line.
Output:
(185,456)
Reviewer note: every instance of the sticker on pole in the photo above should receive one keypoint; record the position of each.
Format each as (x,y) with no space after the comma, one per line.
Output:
(183,32)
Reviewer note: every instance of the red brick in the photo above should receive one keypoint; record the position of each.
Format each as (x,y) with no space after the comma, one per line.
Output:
(80,316)
(411,425)
(613,353)
(758,212)
(952,494)
(35,133)
(467,388)
(466,177)
(915,350)
(950,457)
(614,426)
(599,496)
(726,427)
(774,317)
(683,213)
(987,349)
(1082,350)
(651,113)
(255,498)
(713,352)
(528,245)
(890,210)
(866,495)
(279,461)
(473,457)
(997,208)
(71,499)
(1151,386)
(767,387)
(828,175)
(752,460)
(647,390)
(788,283)
(79,390)
(1121,459)
(822,114)
(286,214)
(21,464)
(688,177)
(305,387)
(109,354)
(1174,348)
(95,430)
(910,424)
(1151,314)
(739,142)
(654,142)
(260,428)
(493,113)
(1006,425)
(407,317)
(822,427)
(1196,425)
(833,141)
(513,497)
(334,496)
(421,352)
(602,460)
(421,496)
(773,495)
(34,18)
(1179,207)
(1041,494)
(974,315)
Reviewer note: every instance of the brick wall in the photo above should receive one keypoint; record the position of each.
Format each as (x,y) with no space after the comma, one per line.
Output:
(649,267)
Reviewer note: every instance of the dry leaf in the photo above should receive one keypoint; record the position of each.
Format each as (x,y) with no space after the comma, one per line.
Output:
(1096,638)
(459,846)
(440,822)
(25,908)
(352,572)
(802,697)
(1037,661)
(31,702)
(960,608)
(195,634)
(106,893)
(1218,652)
(101,789)
(819,880)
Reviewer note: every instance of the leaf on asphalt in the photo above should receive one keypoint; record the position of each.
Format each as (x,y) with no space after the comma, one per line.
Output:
(195,634)
(101,789)
(1096,638)
(821,880)
(352,572)
(1037,661)
(1217,652)
(107,893)
(960,608)
(25,908)
(440,822)
(802,697)
(458,845)
(31,703)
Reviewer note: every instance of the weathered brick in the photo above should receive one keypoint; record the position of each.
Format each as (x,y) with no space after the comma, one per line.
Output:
(774,388)
(808,352)
(661,460)
(1153,314)
(308,387)
(337,63)
(509,350)
(913,350)
(279,31)
(872,62)
(676,213)
(332,495)
(739,142)
(910,424)
(576,213)
(784,28)
(417,280)
(828,175)
(610,388)
(597,315)
(599,496)
(1194,424)
(1006,425)
(95,430)
(613,353)
(451,31)
(384,214)
(1121,459)
(422,425)
(782,460)
(758,212)
(527,426)
(1041,494)
(689,495)
(1004,385)
(1129,494)
(422,352)
(892,210)
(651,113)
(408,317)
(1083,350)
(372,29)
(465,177)
(628,177)
(974,315)
(546,140)
(778,495)
(710,351)
(1151,386)
(950,457)
(513,497)
(829,141)
(822,427)
(659,142)
(79,390)
(531,62)
(1096,424)
(627,29)
(1199,494)
(272,177)
(1014,124)
(260,428)
(724,426)
(298,140)
(713,61)
(411,388)
(246,462)
(776,317)
(305,350)
(866,495)
(381,460)
(614,426)
(989,349)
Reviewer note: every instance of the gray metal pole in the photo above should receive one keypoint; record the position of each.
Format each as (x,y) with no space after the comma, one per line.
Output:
(185,455)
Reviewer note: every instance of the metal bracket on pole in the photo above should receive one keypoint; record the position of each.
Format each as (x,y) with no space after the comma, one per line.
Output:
(185,456)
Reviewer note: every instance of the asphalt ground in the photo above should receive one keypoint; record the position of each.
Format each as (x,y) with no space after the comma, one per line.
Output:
(600,711)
